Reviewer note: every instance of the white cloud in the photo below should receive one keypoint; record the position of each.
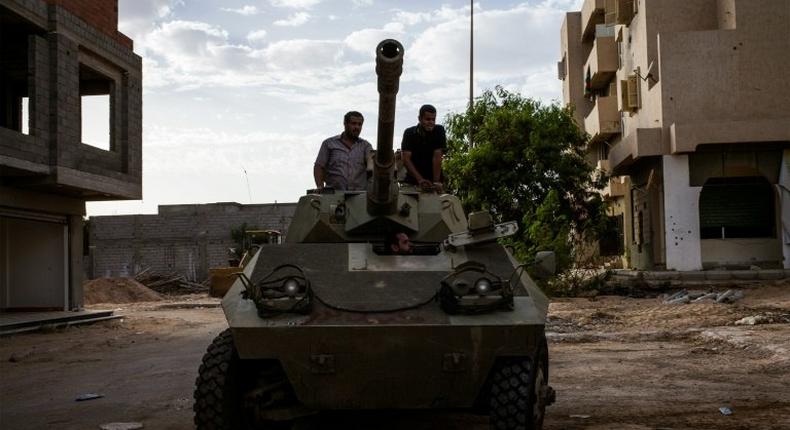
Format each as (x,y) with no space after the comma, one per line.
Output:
(294,20)
(247,10)
(412,18)
(362,3)
(508,44)
(443,14)
(301,54)
(366,40)
(136,18)
(187,44)
(295,4)
(256,36)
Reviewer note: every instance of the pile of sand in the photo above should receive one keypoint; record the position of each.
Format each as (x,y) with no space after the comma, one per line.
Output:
(118,290)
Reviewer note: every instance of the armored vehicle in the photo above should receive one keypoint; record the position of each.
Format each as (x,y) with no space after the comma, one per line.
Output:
(331,319)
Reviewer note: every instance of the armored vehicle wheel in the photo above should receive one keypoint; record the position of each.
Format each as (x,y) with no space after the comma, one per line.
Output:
(519,393)
(223,386)
(217,400)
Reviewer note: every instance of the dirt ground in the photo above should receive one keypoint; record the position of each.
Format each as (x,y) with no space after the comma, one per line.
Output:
(616,363)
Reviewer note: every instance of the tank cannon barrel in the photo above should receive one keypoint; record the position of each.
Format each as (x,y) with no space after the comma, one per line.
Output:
(383,192)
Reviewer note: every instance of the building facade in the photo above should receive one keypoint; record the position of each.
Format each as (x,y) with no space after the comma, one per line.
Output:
(687,105)
(53,55)
(183,239)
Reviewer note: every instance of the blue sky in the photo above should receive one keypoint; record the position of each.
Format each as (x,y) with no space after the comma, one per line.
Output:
(256,85)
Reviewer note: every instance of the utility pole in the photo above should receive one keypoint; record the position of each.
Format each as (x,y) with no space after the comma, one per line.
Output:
(471,66)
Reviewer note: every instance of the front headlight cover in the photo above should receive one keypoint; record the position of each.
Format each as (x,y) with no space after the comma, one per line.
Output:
(285,289)
(472,289)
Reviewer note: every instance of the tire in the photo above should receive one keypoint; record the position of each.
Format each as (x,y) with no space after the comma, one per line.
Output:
(217,398)
(518,393)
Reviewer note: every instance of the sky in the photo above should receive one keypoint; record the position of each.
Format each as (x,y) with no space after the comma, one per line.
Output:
(239,95)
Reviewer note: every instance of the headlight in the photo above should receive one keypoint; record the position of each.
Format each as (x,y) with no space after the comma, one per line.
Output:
(483,286)
(291,287)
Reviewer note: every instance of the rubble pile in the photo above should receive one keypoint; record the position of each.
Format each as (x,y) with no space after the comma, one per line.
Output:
(685,296)
(117,290)
(170,284)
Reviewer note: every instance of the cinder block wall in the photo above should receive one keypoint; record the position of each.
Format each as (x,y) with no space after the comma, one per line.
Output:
(186,239)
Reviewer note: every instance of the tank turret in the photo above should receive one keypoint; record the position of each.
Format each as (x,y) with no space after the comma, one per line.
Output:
(361,216)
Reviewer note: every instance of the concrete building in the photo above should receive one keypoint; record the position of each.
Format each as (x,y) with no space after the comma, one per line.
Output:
(183,239)
(687,104)
(54,54)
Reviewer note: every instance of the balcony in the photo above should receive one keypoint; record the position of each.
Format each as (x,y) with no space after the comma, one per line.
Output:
(642,142)
(604,119)
(617,187)
(602,62)
(592,14)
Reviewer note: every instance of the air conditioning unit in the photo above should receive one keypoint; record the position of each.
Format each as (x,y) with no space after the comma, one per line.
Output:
(561,69)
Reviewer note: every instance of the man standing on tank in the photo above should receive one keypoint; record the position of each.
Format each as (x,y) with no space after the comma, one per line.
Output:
(342,160)
(422,150)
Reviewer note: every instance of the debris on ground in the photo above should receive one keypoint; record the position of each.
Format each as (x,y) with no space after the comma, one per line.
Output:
(170,284)
(88,396)
(765,318)
(121,426)
(117,290)
(725,410)
(685,296)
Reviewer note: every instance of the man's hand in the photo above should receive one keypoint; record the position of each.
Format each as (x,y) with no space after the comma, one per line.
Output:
(438,187)
(426,185)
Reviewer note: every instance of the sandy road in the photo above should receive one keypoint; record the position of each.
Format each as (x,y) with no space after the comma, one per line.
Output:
(616,363)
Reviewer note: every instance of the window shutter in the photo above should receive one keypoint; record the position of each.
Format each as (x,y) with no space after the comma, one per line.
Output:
(610,12)
(634,97)
(624,96)
(625,11)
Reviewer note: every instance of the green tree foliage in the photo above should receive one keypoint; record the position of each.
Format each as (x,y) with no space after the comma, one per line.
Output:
(527,164)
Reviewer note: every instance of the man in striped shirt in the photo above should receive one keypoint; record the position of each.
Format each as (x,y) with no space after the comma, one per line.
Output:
(342,160)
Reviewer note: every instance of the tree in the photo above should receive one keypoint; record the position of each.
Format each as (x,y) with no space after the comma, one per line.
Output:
(527,164)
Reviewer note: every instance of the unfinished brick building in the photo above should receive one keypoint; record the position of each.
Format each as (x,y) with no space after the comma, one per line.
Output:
(54,55)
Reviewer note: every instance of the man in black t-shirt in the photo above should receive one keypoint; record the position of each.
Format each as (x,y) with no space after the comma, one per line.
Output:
(422,149)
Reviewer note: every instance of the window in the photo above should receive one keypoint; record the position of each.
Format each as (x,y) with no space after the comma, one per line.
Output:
(96,108)
(14,70)
(25,115)
(625,11)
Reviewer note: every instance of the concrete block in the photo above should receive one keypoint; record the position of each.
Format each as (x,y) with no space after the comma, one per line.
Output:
(718,275)
(770,274)
(662,275)
(745,275)
(692,275)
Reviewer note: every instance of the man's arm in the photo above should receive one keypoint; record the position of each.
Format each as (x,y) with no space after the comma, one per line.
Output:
(437,171)
(319,171)
(438,154)
(406,157)
(437,165)
(318,175)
